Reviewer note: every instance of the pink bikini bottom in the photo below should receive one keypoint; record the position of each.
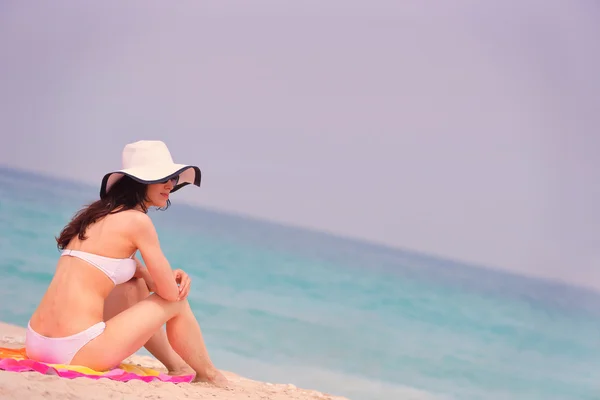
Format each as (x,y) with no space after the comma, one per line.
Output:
(59,350)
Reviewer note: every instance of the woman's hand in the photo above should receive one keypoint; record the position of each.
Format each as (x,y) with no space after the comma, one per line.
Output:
(184,281)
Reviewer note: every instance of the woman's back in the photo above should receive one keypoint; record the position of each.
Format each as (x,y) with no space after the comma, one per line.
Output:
(82,281)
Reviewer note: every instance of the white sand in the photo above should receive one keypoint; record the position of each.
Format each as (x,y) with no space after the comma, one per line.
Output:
(33,385)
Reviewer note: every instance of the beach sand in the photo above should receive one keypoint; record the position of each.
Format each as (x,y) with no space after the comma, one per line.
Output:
(34,385)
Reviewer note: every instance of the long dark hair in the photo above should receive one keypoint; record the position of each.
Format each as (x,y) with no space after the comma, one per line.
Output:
(125,194)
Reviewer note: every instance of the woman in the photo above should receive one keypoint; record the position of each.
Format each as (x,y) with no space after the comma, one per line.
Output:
(98,309)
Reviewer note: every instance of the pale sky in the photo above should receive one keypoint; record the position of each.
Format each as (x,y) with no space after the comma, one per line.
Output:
(464,129)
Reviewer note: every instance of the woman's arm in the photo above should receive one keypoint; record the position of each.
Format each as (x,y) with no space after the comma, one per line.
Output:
(142,272)
(145,239)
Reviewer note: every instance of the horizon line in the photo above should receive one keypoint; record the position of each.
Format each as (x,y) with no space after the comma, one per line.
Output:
(332,234)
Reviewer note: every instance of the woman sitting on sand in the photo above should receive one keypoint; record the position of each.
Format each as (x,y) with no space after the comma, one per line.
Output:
(98,309)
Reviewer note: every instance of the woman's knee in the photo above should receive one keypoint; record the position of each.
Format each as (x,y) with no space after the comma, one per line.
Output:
(125,295)
(122,297)
(172,307)
(135,289)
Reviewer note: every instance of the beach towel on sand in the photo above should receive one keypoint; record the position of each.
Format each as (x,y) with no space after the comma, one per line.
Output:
(16,360)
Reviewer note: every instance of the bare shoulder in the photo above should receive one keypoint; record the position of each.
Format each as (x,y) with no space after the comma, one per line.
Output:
(133,221)
(138,228)
(138,220)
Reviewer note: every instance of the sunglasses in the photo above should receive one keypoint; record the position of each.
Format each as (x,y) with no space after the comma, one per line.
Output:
(174,180)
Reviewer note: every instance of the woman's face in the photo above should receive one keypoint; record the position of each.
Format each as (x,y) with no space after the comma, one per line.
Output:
(158,193)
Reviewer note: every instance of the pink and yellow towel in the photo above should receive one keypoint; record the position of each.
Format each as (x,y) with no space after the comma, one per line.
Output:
(16,360)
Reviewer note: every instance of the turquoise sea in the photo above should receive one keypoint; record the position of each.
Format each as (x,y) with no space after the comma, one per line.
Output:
(287,305)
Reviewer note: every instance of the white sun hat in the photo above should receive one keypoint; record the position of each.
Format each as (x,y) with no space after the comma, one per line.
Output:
(149,161)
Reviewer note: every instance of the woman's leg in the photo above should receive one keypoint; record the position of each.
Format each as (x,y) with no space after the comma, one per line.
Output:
(126,295)
(128,331)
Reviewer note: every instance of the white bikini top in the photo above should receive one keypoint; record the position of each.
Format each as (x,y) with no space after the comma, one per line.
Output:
(119,270)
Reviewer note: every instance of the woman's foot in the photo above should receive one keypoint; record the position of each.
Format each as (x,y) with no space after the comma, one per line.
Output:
(212,376)
(181,371)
